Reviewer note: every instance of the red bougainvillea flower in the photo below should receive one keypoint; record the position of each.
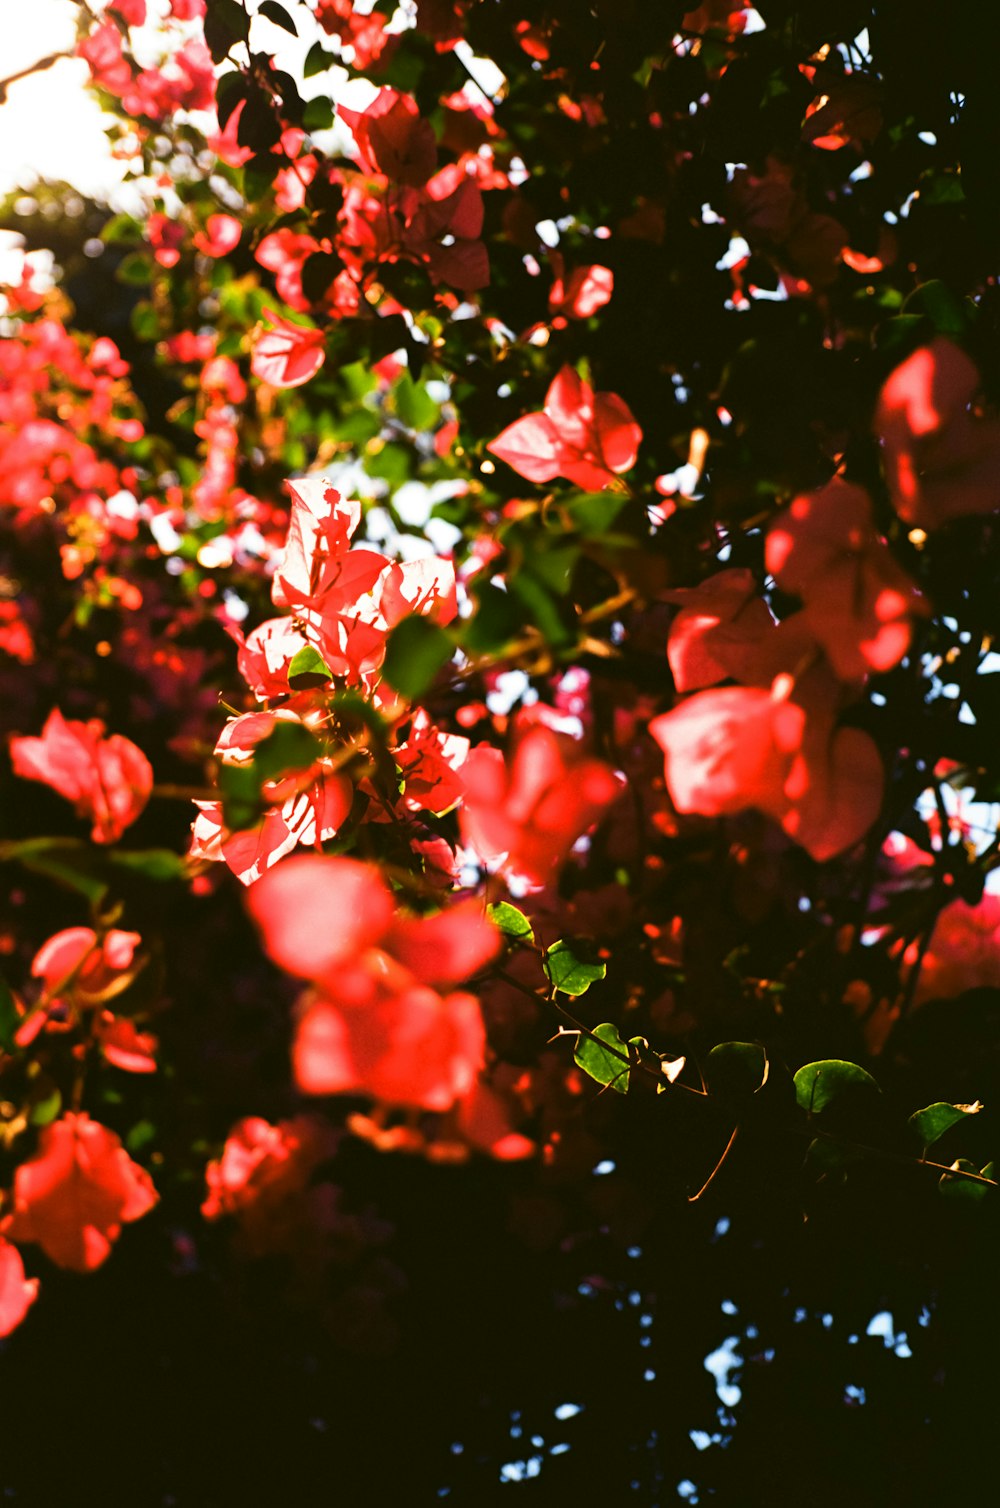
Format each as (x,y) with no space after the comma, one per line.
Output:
(941,452)
(584,436)
(75,1194)
(166,237)
(741,747)
(963,952)
(319,534)
(430,763)
(858,602)
(442,226)
(392,139)
(307,809)
(847,109)
(265,656)
(718,633)
(528,814)
(124,1045)
(261,1165)
(221,235)
(583,292)
(425,587)
(108,779)
(366,34)
(17,1293)
(378,1023)
(77,969)
(287,355)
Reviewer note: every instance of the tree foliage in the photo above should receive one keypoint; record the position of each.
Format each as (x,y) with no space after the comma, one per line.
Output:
(503,530)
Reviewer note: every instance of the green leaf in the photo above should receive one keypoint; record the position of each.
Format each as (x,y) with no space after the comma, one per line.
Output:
(122,228)
(593,513)
(69,861)
(136,268)
(553,566)
(9,1017)
(318,272)
(259,127)
(308,668)
(495,622)
(258,176)
(318,115)
(964,1188)
(239,787)
(141,1134)
(569,972)
(736,1071)
(933,1122)
(414,406)
(949,314)
(511,922)
(604,1066)
(226,22)
(45,1109)
(145,321)
(229,91)
(278,14)
(415,651)
(318,60)
(160,864)
(817,1085)
(288,747)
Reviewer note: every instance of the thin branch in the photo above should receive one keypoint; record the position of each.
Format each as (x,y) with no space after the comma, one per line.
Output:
(24,73)
(692,1198)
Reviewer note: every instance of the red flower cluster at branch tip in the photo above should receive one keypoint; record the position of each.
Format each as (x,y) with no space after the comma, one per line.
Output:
(377,1022)
(107,779)
(858,603)
(287,355)
(527,813)
(741,747)
(587,437)
(941,450)
(76,1193)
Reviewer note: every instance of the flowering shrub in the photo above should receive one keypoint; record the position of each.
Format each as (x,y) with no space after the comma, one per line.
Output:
(533,572)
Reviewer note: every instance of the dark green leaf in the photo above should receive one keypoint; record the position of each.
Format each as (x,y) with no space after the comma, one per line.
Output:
(159,864)
(496,621)
(568,971)
(949,314)
(318,60)
(933,1122)
(604,1063)
(415,651)
(819,1084)
(135,268)
(229,91)
(69,861)
(593,513)
(318,115)
(511,922)
(287,748)
(318,272)
(735,1071)
(259,127)
(145,321)
(226,22)
(965,1188)
(278,14)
